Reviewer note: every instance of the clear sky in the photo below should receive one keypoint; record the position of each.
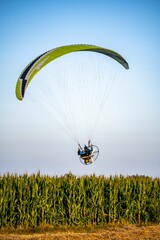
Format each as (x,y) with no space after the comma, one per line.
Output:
(129,136)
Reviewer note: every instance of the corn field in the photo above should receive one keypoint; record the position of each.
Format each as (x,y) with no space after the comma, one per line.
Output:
(34,200)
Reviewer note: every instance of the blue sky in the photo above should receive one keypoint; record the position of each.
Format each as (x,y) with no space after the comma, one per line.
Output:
(129,137)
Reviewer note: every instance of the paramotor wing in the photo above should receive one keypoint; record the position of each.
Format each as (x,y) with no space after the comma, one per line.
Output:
(38,63)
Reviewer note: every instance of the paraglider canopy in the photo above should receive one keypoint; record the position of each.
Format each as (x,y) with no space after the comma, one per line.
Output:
(38,63)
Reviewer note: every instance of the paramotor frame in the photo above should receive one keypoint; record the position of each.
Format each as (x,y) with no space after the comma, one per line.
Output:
(90,158)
